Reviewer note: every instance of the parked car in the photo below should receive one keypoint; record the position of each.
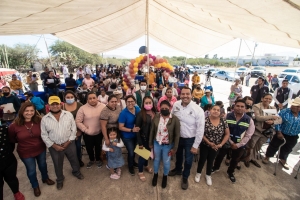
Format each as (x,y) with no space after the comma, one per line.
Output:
(227,76)
(294,82)
(200,69)
(258,71)
(190,68)
(212,70)
(289,71)
(240,70)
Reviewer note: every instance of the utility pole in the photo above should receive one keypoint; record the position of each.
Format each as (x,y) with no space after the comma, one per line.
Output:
(253,53)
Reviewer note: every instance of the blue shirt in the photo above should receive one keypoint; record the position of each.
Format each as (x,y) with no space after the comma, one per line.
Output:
(79,81)
(128,119)
(290,124)
(38,102)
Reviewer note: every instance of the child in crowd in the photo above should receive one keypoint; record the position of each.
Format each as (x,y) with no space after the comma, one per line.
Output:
(156,99)
(160,89)
(95,88)
(114,153)
(207,109)
(222,110)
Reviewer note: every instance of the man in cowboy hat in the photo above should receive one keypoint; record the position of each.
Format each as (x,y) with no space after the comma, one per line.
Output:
(289,129)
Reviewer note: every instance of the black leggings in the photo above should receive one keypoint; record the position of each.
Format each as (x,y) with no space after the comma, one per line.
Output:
(93,145)
(206,154)
(8,172)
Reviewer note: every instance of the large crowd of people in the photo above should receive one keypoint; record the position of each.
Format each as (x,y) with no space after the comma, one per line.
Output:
(163,115)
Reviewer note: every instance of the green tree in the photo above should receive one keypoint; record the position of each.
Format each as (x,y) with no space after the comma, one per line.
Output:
(21,55)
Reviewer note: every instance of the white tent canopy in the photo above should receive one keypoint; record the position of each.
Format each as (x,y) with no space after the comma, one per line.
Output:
(192,26)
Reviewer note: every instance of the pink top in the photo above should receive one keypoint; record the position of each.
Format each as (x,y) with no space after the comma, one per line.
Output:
(2,83)
(88,118)
(88,82)
(173,100)
(130,92)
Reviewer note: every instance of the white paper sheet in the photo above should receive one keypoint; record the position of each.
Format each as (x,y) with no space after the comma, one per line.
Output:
(50,80)
(8,106)
(270,111)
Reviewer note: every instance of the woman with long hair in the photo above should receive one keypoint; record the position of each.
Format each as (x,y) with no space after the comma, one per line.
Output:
(26,131)
(87,120)
(143,121)
(72,105)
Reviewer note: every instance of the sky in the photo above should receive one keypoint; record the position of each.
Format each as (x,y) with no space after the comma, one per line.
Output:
(131,50)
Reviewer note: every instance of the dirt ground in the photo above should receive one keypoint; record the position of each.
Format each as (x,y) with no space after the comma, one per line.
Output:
(252,183)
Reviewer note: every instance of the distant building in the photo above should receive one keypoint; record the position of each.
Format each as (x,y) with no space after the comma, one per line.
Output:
(266,60)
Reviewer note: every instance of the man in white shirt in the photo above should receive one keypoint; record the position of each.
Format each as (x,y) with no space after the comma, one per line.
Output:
(192,122)
(65,71)
(58,131)
(88,70)
(80,71)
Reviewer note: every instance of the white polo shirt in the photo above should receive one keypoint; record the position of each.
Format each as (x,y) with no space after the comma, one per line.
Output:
(192,121)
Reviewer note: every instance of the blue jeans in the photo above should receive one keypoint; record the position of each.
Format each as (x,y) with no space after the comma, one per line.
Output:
(247,82)
(161,152)
(130,144)
(78,147)
(30,165)
(53,91)
(185,144)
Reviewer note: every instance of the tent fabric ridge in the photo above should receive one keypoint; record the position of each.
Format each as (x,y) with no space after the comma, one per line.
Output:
(101,18)
(36,13)
(262,19)
(292,4)
(180,16)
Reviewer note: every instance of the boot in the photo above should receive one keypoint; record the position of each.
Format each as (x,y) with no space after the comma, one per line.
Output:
(154,180)
(164,181)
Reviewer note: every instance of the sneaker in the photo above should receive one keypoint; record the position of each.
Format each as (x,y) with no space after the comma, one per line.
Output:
(119,171)
(214,170)
(135,165)
(131,171)
(80,177)
(174,172)
(197,177)
(114,176)
(19,196)
(99,164)
(89,165)
(184,183)
(231,177)
(208,180)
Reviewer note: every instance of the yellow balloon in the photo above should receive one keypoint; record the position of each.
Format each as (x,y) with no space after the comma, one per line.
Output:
(164,64)
(135,65)
(159,65)
(141,57)
(125,87)
(135,70)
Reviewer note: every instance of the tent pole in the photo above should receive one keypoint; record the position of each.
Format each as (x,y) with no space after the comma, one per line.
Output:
(147,23)
(253,53)
(238,56)
(48,52)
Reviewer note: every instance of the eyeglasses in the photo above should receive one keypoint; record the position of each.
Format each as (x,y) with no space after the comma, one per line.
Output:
(130,102)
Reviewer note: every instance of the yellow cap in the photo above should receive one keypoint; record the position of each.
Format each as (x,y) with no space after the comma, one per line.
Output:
(54,99)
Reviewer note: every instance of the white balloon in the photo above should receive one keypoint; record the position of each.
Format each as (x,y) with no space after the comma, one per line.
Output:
(127,73)
(127,68)
(158,57)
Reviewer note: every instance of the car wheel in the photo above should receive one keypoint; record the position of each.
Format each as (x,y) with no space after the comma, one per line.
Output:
(216,77)
(226,79)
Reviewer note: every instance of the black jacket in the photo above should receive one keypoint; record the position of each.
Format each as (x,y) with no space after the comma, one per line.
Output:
(143,134)
(56,83)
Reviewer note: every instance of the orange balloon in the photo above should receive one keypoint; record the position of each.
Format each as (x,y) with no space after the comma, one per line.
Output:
(161,60)
(131,66)
(131,71)
(132,61)
(156,61)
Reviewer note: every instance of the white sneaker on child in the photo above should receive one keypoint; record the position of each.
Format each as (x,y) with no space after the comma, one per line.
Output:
(208,180)
(119,171)
(197,177)
(114,176)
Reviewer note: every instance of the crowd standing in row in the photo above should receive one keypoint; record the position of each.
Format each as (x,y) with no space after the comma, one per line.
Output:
(166,119)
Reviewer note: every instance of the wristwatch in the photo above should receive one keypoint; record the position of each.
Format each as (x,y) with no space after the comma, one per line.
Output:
(131,130)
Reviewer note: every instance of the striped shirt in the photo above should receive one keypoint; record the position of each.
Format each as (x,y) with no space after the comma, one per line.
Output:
(290,124)
(58,132)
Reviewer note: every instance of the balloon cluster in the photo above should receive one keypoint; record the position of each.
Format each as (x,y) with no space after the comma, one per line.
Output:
(141,62)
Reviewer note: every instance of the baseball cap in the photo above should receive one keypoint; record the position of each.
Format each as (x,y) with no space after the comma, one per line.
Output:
(54,99)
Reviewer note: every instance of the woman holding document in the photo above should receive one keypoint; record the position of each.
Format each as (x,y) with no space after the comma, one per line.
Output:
(264,122)
(143,121)
(164,138)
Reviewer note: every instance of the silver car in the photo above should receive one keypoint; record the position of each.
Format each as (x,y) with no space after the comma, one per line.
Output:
(227,76)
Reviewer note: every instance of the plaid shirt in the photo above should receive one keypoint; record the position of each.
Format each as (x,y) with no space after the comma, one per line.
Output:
(290,124)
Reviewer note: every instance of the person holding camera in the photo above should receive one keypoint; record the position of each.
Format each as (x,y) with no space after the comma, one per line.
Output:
(263,129)
(32,81)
